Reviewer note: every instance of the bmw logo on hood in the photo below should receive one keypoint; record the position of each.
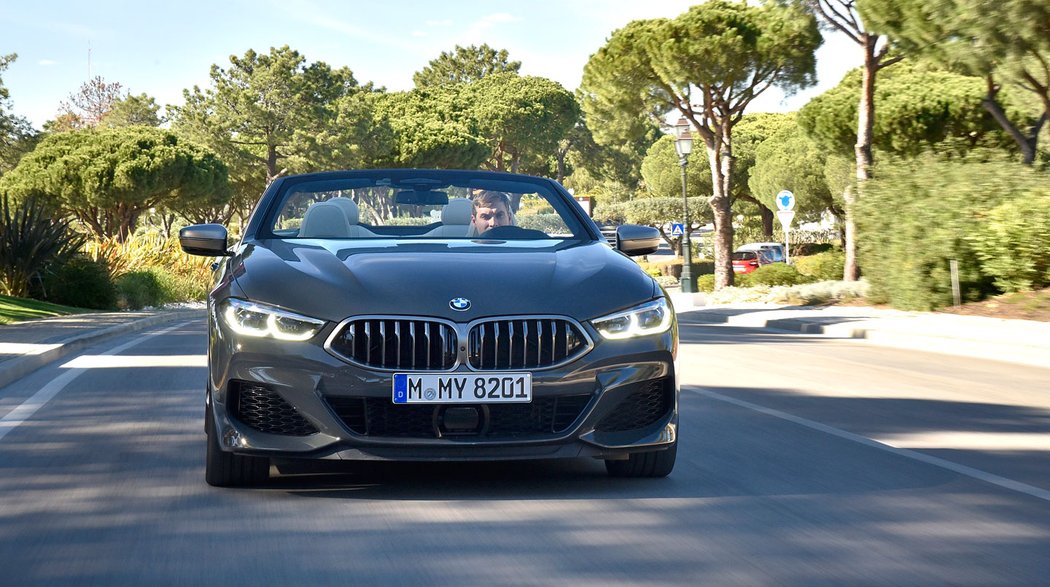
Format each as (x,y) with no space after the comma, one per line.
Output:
(459,304)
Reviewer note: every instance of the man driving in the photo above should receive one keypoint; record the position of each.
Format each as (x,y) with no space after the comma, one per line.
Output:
(491,209)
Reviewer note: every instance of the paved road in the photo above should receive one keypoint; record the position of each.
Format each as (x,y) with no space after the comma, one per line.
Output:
(780,481)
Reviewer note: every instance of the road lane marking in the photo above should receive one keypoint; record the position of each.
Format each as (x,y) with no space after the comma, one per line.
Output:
(26,409)
(971,472)
(124,361)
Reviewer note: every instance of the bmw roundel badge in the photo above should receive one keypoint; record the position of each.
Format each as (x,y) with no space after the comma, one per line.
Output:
(459,304)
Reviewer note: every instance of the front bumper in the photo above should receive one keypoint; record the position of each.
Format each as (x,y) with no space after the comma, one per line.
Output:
(620,398)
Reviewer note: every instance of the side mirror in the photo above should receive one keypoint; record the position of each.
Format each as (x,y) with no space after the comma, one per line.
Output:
(206,240)
(634,240)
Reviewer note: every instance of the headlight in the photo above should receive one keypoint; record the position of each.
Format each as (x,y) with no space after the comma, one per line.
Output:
(251,319)
(649,318)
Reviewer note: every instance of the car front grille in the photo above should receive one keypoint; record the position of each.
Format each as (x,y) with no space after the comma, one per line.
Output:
(391,343)
(525,343)
(379,417)
(266,411)
(646,404)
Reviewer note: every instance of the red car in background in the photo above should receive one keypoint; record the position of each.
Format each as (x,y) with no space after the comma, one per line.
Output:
(745,261)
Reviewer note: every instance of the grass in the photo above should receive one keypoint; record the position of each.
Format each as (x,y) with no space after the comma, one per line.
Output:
(18,309)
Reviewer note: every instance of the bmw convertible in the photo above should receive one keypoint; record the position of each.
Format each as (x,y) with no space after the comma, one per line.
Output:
(433,315)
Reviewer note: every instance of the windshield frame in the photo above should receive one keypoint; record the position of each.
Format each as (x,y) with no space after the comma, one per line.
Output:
(581,227)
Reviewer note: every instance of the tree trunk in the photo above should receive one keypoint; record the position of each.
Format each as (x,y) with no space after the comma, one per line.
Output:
(721,210)
(1028,143)
(271,163)
(865,123)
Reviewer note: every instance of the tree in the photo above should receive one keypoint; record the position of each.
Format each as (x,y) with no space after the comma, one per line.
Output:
(141,110)
(272,114)
(789,160)
(748,134)
(17,136)
(707,64)
(522,119)
(1005,40)
(432,128)
(842,15)
(465,65)
(107,178)
(919,106)
(88,106)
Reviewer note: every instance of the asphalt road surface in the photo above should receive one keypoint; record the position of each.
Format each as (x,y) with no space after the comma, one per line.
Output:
(804,461)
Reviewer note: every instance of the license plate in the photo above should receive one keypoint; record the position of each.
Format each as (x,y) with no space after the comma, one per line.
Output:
(465,388)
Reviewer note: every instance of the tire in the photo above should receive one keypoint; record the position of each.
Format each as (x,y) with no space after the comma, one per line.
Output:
(658,463)
(225,469)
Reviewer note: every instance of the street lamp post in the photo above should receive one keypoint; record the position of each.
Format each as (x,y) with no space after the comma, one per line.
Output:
(684,145)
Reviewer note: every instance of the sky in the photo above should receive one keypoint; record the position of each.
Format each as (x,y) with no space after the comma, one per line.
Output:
(162,48)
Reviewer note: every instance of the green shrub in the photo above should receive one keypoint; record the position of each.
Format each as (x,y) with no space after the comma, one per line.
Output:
(157,286)
(772,274)
(808,249)
(706,283)
(31,239)
(81,282)
(827,266)
(918,215)
(139,289)
(1014,245)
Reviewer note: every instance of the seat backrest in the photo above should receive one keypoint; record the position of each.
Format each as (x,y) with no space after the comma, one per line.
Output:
(455,219)
(324,220)
(353,217)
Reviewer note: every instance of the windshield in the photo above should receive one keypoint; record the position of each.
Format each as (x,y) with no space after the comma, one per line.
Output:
(423,205)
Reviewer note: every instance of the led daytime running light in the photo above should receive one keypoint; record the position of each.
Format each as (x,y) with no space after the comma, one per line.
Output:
(238,313)
(634,327)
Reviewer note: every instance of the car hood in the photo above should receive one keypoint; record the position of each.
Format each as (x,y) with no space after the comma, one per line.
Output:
(337,279)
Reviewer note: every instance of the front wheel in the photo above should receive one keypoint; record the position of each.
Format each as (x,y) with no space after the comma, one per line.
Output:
(225,469)
(645,464)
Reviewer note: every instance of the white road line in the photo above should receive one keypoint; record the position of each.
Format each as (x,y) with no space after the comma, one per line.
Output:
(26,409)
(978,474)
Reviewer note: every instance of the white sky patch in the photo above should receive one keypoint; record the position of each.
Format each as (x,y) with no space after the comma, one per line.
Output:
(73,30)
(418,34)
(307,12)
(47,62)
(446,22)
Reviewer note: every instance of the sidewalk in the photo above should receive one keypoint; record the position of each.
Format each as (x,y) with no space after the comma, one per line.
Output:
(1022,342)
(27,346)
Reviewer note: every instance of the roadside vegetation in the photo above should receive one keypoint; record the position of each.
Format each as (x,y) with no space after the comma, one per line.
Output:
(932,155)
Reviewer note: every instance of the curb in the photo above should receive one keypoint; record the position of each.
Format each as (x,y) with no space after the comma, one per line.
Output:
(14,369)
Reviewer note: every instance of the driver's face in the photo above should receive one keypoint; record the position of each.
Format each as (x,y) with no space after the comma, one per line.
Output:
(486,218)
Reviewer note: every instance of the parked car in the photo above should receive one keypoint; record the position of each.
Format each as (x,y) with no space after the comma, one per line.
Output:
(347,325)
(745,261)
(775,254)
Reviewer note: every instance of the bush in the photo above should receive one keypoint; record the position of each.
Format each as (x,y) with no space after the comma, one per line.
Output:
(808,249)
(673,268)
(918,215)
(139,289)
(827,266)
(31,239)
(772,274)
(181,277)
(1014,247)
(81,282)
(706,283)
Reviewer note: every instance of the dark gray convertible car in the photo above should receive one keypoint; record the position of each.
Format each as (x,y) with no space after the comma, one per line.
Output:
(422,315)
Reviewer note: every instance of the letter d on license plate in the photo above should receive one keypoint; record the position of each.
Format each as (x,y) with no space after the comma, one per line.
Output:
(466,388)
